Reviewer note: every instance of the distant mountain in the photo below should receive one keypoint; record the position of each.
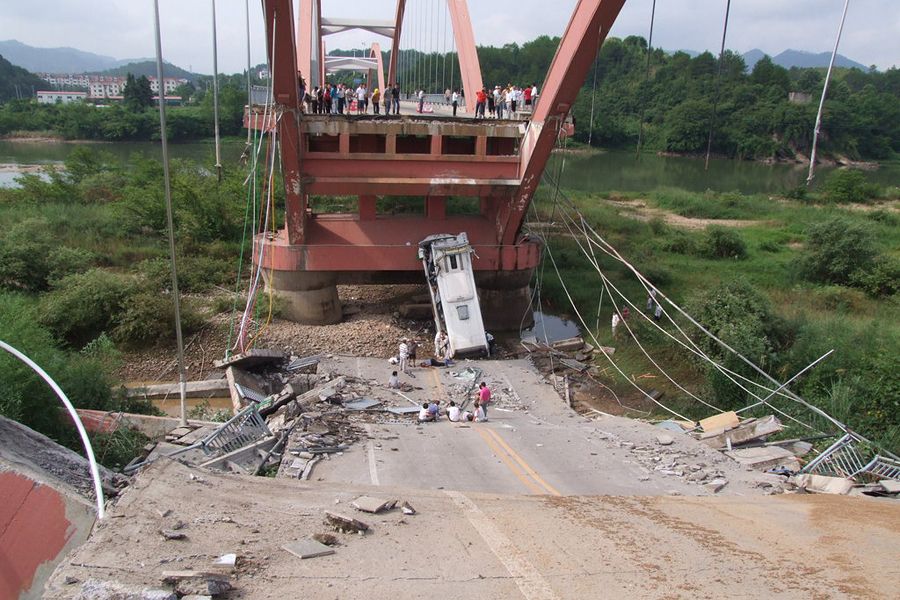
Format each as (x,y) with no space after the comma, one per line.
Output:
(16,82)
(54,60)
(148,68)
(802,59)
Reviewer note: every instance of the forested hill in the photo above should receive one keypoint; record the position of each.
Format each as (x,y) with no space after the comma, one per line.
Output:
(754,117)
(13,77)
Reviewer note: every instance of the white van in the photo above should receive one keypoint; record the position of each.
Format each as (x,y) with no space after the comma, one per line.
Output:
(447,260)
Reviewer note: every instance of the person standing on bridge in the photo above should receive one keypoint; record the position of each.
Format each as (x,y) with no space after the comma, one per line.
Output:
(492,104)
(376,100)
(455,101)
(498,101)
(421,100)
(341,98)
(480,100)
(395,97)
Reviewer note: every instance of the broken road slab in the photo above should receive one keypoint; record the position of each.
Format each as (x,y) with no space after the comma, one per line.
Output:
(373,505)
(344,523)
(252,358)
(722,421)
(821,484)
(308,548)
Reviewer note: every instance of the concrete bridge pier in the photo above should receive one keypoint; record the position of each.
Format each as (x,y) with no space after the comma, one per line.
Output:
(308,297)
(505,298)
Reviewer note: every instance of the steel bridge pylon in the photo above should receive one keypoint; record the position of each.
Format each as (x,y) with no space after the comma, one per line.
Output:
(477,176)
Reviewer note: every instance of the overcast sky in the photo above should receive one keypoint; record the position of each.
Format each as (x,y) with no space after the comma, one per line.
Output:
(124,28)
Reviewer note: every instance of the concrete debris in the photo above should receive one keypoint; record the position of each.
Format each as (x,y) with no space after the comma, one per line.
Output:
(407,508)
(715,486)
(821,484)
(362,404)
(568,345)
(372,505)
(890,486)
(748,431)
(765,458)
(209,388)
(723,421)
(308,548)
(109,590)
(252,358)
(329,539)
(664,440)
(172,535)
(345,524)
(226,560)
(199,583)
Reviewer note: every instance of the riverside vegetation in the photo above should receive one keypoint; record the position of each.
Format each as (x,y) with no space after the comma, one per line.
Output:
(805,274)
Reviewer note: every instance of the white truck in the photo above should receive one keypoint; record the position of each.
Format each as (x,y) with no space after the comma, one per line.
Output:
(447,260)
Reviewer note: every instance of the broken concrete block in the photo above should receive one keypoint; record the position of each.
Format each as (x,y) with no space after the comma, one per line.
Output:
(568,345)
(226,560)
(724,420)
(344,523)
(172,535)
(407,508)
(753,429)
(715,486)
(764,458)
(109,590)
(891,486)
(664,439)
(372,505)
(308,549)
(821,484)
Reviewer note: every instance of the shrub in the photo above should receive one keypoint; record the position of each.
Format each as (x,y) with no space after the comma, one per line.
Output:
(148,318)
(835,250)
(84,305)
(23,256)
(881,279)
(679,242)
(195,273)
(115,450)
(63,261)
(849,185)
(721,242)
(796,193)
(770,246)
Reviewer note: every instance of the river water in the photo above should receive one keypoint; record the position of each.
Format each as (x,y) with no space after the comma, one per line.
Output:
(596,172)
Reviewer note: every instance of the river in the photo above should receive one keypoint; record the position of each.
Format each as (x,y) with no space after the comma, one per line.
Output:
(595,172)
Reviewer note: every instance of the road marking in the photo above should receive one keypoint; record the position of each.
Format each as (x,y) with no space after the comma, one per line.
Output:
(526,481)
(370,451)
(528,579)
(525,466)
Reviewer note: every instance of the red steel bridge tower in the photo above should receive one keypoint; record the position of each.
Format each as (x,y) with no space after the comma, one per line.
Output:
(428,158)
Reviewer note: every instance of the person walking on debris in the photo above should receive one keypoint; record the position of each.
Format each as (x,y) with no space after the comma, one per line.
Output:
(424,414)
(615,325)
(453,412)
(657,314)
(394,381)
(403,355)
(442,347)
(484,397)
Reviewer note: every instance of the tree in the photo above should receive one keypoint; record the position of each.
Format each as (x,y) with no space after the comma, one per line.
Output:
(836,251)
(137,93)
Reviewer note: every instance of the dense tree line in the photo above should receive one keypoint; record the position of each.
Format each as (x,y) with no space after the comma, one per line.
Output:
(754,117)
(16,82)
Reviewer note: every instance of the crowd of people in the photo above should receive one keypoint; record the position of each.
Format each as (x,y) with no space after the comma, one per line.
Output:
(339,99)
(432,411)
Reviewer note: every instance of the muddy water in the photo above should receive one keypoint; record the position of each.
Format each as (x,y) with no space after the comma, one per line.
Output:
(551,328)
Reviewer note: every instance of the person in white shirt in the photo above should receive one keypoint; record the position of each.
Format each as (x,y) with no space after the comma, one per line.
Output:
(394,381)
(615,324)
(453,412)
(479,413)
(424,414)
(403,355)
(421,100)
(455,102)
(360,99)
(498,102)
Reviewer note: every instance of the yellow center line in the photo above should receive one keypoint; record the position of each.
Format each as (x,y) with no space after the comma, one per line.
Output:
(525,466)
(526,481)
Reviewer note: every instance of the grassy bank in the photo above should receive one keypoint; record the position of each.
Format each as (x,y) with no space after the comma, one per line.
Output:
(750,282)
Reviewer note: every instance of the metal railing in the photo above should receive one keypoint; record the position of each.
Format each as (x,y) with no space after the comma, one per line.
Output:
(851,457)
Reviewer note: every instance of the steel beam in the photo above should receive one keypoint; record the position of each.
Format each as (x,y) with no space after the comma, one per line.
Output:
(376,54)
(469,66)
(588,27)
(280,33)
(395,41)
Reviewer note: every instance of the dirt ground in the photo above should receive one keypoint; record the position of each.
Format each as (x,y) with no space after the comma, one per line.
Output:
(471,545)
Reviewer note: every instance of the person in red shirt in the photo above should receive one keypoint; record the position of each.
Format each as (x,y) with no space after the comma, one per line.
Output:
(484,397)
(480,99)
(527,96)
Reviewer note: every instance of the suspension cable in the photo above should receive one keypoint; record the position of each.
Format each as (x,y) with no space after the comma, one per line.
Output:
(712,123)
(812,155)
(646,79)
(215,94)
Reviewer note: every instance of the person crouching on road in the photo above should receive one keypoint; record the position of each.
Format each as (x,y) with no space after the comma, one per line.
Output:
(434,410)
(453,412)
(425,415)
(480,417)
(394,381)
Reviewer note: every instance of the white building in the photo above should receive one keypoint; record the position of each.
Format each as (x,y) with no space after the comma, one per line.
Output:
(53,97)
(170,83)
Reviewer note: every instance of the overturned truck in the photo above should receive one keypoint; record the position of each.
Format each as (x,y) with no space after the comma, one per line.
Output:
(447,262)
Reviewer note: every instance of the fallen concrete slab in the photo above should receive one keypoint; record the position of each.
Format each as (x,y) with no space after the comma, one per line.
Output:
(722,421)
(765,458)
(308,549)
(372,505)
(748,431)
(209,388)
(252,358)
(821,484)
